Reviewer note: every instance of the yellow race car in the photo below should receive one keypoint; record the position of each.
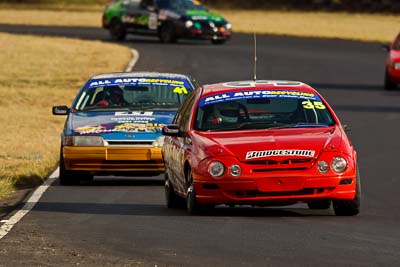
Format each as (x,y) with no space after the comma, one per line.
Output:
(113,126)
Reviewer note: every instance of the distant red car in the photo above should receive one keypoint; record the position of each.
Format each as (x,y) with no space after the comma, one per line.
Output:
(259,143)
(392,72)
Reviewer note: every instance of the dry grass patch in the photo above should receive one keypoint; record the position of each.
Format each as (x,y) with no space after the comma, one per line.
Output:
(40,72)
(54,17)
(67,5)
(365,27)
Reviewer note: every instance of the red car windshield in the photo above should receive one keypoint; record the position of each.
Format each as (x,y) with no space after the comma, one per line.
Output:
(262,113)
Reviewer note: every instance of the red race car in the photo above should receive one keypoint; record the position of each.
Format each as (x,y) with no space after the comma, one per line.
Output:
(259,143)
(392,73)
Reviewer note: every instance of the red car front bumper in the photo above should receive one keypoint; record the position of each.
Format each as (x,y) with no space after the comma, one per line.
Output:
(275,190)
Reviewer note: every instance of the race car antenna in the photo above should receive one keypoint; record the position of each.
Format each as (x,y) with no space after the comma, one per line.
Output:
(255,56)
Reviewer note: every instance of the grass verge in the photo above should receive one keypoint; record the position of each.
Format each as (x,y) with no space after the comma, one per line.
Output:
(40,72)
(51,15)
(361,27)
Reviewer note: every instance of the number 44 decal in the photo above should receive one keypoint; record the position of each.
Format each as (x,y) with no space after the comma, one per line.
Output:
(180,90)
(311,105)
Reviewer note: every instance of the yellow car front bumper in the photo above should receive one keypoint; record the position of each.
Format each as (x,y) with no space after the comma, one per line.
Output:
(113,159)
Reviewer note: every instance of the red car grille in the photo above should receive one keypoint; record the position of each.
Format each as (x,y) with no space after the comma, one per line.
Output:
(274,165)
(275,162)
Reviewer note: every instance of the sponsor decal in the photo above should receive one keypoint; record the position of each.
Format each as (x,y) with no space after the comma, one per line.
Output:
(277,153)
(142,20)
(90,129)
(128,19)
(134,113)
(133,119)
(203,15)
(135,127)
(179,86)
(313,105)
(120,127)
(253,94)
(153,21)
(199,18)
(180,90)
(244,84)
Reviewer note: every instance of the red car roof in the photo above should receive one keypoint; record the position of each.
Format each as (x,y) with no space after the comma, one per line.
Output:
(258,85)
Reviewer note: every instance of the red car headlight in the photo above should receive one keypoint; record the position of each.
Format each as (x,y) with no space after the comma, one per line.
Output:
(221,167)
(323,166)
(235,170)
(334,163)
(216,168)
(339,164)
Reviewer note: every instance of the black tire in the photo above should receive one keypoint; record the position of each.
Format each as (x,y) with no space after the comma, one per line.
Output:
(67,177)
(171,198)
(192,206)
(349,207)
(117,30)
(85,176)
(167,33)
(218,41)
(319,205)
(389,85)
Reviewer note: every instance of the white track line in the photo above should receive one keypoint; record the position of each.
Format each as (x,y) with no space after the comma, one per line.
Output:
(135,58)
(37,194)
(34,198)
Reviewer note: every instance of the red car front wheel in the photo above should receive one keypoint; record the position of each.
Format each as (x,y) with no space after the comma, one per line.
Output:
(389,85)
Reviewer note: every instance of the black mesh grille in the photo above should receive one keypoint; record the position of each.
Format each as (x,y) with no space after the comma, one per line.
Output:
(274,165)
(255,193)
(274,162)
(279,169)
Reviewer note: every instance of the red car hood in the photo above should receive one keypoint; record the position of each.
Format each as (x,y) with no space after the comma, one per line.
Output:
(277,145)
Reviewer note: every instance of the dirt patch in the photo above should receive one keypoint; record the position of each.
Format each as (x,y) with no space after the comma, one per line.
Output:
(13,201)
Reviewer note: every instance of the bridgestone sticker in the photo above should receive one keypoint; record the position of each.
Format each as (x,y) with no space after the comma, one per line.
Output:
(276,153)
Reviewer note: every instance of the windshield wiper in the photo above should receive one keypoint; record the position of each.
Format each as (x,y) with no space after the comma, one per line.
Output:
(299,125)
(269,125)
(98,108)
(246,125)
(155,106)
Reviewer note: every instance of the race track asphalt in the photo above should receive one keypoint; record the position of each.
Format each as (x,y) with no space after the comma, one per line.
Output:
(125,222)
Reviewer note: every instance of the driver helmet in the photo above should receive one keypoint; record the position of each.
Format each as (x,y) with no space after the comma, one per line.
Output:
(226,112)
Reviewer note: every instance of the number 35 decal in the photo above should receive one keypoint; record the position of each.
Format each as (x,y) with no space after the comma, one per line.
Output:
(311,105)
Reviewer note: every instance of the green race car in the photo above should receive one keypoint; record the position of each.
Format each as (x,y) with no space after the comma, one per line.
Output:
(168,19)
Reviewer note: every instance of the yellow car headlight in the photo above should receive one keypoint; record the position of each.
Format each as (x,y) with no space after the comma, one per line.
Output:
(88,141)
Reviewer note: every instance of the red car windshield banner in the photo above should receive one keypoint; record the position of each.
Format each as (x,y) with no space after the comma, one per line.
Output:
(252,94)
